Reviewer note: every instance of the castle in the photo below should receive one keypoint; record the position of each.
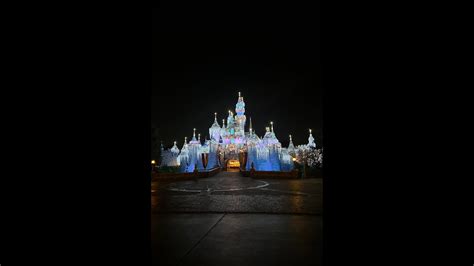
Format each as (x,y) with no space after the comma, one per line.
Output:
(231,146)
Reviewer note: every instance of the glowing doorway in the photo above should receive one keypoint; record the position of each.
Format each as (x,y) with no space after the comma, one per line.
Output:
(233,164)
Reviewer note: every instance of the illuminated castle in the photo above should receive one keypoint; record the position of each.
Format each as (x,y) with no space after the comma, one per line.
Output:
(231,146)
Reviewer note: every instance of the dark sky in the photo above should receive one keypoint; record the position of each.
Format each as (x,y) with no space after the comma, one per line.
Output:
(197,74)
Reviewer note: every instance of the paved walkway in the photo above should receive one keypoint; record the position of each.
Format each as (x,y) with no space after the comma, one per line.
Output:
(232,220)
(229,192)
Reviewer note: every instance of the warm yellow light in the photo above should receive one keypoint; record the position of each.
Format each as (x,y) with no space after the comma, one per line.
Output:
(294,159)
(152,161)
(233,163)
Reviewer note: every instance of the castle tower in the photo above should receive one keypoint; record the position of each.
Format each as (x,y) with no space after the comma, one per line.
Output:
(291,148)
(250,129)
(215,129)
(311,140)
(240,110)
(183,157)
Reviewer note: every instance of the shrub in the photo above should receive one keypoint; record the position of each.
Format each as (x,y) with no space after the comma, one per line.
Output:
(168,169)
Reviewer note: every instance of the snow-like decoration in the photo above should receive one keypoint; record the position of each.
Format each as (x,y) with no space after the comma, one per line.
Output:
(291,148)
(200,161)
(274,158)
(270,138)
(183,157)
(212,160)
(175,149)
(311,140)
(193,146)
(169,159)
(240,118)
(230,141)
(205,148)
(286,160)
(215,129)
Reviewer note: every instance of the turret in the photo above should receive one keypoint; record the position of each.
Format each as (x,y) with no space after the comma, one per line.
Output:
(214,130)
(250,129)
(311,140)
(240,110)
(175,149)
(230,119)
(270,137)
(291,147)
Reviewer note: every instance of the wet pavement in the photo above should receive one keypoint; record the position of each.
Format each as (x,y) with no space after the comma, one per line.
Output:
(233,220)
(230,192)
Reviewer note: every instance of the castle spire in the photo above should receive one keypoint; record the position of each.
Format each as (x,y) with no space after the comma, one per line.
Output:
(214,129)
(291,148)
(311,140)
(185,142)
(271,123)
(230,118)
(240,113)
(175,149)
(250,129)
(194,134)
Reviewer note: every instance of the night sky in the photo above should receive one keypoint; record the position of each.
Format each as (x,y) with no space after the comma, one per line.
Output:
(198,73)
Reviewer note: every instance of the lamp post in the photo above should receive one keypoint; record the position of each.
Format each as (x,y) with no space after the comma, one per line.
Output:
(153,165)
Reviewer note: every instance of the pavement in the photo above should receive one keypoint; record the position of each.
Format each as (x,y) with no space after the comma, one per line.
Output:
(233,220)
